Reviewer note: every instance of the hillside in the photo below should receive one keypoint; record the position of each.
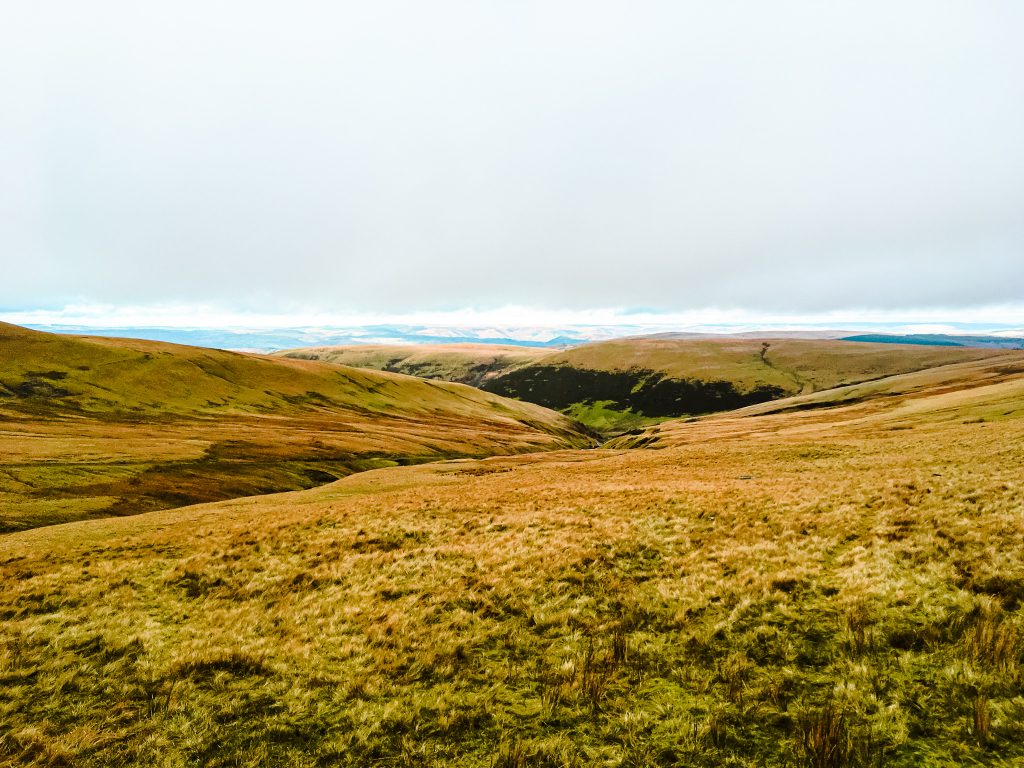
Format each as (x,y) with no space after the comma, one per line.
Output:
(981,391)
(99,426)
(616,386)
(839,585)
(621,385)
(470,364)
(942,340)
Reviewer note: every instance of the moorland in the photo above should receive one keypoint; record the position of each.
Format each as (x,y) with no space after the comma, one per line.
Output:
(625,384)
(831,578)
(93,426)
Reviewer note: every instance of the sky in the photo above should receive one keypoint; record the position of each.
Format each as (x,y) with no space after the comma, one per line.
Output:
(577,160)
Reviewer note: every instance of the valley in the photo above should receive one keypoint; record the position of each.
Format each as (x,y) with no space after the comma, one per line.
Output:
(828,579)
(94,427)
(622,385)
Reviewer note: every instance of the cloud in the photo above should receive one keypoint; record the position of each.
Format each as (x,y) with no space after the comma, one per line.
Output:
(619,320)
(401,157)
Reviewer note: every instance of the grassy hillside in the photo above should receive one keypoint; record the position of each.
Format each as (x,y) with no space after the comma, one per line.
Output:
(941,339)
(979,391)
(464,363)
(839,585)
(620,385)
(99,426)
(617,386)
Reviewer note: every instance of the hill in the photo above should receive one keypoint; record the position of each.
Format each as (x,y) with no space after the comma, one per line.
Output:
(834,580)
(471,364)
(941,340)
(99,426)
(616,386)
(987,390)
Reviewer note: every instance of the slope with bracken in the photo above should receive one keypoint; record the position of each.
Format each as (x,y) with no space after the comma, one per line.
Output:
(97,426)
(830,580)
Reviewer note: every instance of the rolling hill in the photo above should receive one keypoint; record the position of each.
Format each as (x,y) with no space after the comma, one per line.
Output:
(979,391)
(942,340)
(834,579)
(100,426)
(616,386)
(471,364)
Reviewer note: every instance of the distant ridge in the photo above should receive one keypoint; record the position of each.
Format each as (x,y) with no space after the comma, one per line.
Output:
(623,384)
(270,340)
(941,340)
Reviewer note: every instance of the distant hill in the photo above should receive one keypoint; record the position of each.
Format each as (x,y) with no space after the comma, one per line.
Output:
(471,364)
(618,385)
(98,426)
(274,339)
(980,391)
(941,340)
(624,384)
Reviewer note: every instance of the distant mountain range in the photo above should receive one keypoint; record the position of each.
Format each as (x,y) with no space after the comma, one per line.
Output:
(269,340)
(941,340)
(273,339)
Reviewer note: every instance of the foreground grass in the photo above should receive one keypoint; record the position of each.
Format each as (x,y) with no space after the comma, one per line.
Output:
(807,593)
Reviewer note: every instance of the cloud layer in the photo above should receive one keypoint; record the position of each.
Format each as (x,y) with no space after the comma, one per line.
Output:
(398,157)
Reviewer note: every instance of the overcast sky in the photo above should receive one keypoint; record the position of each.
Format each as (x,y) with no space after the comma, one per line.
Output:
(396,157)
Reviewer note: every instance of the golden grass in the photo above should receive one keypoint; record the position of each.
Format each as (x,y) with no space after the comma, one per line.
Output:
(732,367)
(783,589)
(94,427)
(979,391)
(794,365)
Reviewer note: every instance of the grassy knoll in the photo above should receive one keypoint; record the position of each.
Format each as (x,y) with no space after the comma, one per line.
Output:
(97,426)
(829,586)
(463,363)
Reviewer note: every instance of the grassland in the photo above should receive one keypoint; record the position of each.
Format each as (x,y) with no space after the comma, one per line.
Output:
(621,385)
(794,365)
(986,390)
(837,584)
(91,427)
(470,364)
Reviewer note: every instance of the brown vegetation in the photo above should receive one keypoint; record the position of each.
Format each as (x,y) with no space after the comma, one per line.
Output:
(819,587)
(95,427)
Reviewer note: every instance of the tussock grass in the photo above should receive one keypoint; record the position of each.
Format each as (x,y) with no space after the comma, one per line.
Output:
(810,588)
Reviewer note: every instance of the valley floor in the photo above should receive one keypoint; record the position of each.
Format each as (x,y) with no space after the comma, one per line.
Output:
(801,591)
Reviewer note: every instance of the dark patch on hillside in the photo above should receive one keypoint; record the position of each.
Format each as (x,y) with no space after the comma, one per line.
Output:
(642,391)
(37,384)
(218,476)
